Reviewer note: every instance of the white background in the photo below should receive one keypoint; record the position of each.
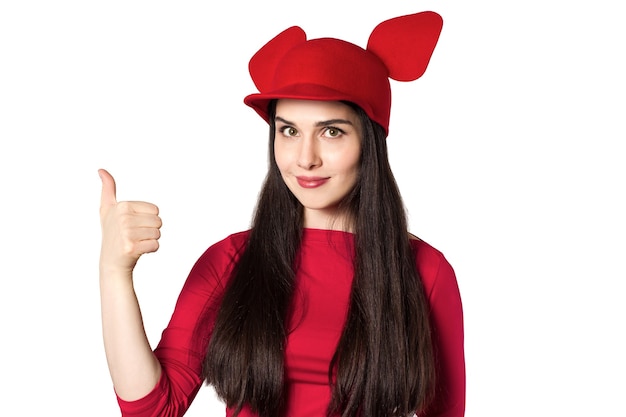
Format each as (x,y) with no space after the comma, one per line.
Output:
(509,153)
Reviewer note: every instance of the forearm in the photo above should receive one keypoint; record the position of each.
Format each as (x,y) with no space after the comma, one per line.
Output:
(129,229)
(134,369)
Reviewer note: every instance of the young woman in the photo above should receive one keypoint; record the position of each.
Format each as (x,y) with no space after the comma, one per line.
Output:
(327,305)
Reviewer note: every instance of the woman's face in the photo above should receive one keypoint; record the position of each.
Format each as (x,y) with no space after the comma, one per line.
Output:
(317,149)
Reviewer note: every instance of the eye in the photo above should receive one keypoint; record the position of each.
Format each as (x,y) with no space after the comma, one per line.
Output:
(288,131)
(333,132)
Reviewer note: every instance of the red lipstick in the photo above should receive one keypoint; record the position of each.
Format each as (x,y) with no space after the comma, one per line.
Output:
(311,182)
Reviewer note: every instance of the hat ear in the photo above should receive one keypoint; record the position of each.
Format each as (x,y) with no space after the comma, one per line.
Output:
(406,43)
(263,63)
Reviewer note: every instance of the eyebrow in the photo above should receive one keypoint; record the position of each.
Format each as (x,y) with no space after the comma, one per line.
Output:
(318,124)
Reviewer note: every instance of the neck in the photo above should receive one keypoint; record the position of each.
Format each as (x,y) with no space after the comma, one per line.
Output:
(326,220)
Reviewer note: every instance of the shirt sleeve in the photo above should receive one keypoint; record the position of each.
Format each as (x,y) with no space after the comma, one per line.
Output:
(447,321)
(183,343)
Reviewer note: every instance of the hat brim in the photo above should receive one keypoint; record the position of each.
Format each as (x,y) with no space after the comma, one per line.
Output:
(260,101)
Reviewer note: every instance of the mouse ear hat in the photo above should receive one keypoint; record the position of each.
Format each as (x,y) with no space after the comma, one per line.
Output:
(290,66)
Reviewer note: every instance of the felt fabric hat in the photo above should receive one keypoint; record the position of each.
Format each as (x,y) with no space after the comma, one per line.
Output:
(290,66)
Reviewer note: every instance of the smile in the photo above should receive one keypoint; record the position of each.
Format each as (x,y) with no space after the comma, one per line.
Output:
(311,182)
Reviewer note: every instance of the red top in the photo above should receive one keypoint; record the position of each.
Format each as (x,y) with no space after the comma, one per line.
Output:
(323,284)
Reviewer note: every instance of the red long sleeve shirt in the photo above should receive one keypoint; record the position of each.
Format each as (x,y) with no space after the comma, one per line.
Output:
(323,283)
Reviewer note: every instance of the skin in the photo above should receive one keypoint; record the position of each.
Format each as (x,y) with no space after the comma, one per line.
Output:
(317,150)
(129,229)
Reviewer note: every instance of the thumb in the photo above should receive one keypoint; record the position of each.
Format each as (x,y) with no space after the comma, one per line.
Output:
(108,197)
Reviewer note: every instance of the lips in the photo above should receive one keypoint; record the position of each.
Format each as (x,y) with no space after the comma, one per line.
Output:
(312,182)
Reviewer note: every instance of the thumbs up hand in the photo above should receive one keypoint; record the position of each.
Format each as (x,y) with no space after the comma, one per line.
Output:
(129,229)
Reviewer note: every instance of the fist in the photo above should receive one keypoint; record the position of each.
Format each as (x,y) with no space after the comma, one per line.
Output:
(129,228)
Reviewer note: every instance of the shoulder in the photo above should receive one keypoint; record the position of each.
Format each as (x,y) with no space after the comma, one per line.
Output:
(433,267)
(229,245)
(220,256)
(429,259)
(233,242)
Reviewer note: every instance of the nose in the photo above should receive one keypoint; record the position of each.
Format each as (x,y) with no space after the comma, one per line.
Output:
(308,157)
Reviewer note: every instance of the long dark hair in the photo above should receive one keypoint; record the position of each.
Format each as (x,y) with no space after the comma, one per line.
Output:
(384,361)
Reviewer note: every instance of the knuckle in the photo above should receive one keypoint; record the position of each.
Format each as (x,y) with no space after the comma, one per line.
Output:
(125,220)
(128,248)
(124,206)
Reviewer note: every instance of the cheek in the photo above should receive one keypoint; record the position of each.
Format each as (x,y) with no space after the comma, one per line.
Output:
(279,157)
(283,161)
(348,163)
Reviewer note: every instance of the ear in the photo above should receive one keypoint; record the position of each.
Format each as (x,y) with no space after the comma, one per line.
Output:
(406,43)
(262,65)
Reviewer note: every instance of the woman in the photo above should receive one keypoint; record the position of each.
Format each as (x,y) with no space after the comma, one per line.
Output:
(327,305)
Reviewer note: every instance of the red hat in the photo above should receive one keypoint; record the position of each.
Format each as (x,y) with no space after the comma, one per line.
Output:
(289,66)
